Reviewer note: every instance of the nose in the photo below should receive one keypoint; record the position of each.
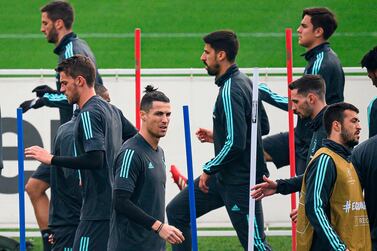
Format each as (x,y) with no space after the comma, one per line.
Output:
(358,126)
(299,29)
(294,107)
(202,57)
(62,89)
(165,119)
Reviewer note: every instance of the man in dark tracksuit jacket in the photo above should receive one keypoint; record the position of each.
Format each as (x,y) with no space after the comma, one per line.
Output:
(321,60)
(67,44)
(225,178)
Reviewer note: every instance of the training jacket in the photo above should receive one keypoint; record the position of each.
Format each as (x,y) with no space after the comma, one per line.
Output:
(321,60)
(232,130)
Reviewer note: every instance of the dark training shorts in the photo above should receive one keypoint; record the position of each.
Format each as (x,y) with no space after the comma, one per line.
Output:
(42,173)
(64,237)
(92,235)
(277,146)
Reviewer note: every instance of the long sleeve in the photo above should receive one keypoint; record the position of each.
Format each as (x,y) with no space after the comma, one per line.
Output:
(288,186)
(89,160)
(320,181)
(272,98)
(124,205)
(56,100)
(232,105)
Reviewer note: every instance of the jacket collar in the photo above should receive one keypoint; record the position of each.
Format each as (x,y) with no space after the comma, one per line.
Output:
(65,40)
(311,53)
(317,122)
(221,79)
(343,151)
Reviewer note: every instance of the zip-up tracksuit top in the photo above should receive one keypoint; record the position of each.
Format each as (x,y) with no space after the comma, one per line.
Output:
(323,61)
(232,131)
(69,46)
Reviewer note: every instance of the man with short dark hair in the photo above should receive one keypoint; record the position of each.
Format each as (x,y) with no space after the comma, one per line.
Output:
(98,136)
(57,26)
(138,211)
(308,102)
(225,178)
(369,61)
(332,213)
(316,27)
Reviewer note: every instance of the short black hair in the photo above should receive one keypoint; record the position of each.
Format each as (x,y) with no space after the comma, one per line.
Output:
(79,65)
(310,84)
(369,60)
(223,40)
(335,112)
(60,10)
(322,17)
(152,94)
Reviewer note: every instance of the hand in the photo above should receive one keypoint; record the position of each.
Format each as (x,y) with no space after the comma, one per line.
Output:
(41,90)
(38,153)
(203,182)
(293,215)
(261,190)
(204,135)
(32,103)
(51,239)
(169,233)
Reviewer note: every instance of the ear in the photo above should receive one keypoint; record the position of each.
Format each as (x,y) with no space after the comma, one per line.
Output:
(312,98)
(337,126)
(318,32)
(143,115)
(81,81)
(59,24)
(221,55)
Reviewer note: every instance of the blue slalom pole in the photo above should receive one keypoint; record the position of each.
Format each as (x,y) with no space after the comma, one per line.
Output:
(194,237)
(21,193)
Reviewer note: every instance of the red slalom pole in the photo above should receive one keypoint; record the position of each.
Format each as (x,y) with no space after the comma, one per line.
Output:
(137,76)
(292,159)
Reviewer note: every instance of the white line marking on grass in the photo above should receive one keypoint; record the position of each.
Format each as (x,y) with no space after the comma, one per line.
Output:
(179,35)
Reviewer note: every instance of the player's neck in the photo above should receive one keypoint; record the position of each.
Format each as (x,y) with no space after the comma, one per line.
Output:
(62,34)
(152,141)
(317,109)
(316,43)
(223,68)
(85,96)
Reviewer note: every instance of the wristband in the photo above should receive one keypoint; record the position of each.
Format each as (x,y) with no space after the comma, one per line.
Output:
(159,228)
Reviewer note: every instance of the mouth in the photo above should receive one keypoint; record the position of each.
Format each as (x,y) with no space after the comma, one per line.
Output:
(357,134)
